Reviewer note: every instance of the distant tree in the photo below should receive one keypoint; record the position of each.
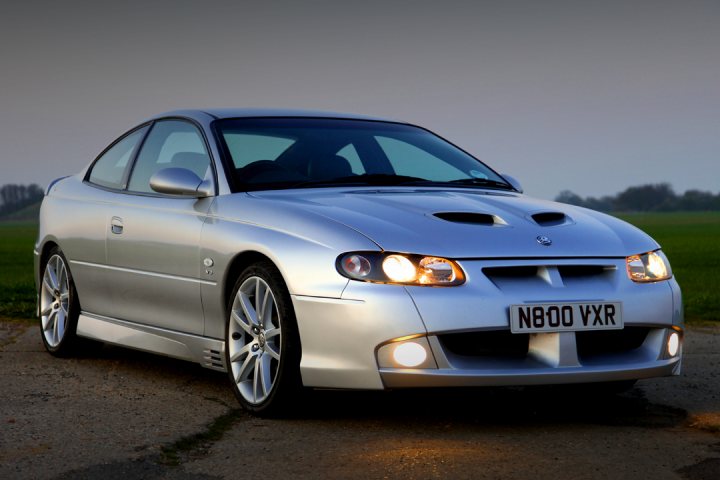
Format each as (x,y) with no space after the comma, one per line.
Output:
(697,200)
(603,204)
(646,198)
(15,197)
(566,196)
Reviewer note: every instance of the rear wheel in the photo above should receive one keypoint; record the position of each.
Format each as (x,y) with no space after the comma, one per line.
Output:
(59,306)
(262,342)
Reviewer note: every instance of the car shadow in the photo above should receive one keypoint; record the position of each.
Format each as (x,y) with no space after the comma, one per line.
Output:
(557,404)
(538,405)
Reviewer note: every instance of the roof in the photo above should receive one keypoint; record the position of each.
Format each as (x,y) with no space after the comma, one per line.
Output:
(219,113)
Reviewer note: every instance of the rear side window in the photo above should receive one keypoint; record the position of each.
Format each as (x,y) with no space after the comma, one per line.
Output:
(109,170)
(170,144)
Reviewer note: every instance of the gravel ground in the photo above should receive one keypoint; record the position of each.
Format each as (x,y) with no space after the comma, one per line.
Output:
(120,414)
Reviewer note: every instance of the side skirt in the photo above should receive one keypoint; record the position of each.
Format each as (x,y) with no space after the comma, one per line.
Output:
(208,352)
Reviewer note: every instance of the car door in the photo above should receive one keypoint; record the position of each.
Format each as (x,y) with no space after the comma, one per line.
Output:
(153,239)
(84,219)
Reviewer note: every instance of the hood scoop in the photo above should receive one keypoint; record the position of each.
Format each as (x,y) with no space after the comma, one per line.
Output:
(472,218)
(550,219)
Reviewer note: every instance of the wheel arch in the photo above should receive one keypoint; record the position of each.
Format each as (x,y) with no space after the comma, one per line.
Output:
(239,263)
(45,251)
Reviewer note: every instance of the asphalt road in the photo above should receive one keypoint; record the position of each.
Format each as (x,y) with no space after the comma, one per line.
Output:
(120,414)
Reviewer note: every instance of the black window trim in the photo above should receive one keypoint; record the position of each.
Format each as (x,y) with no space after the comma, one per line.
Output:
(131,161)
(131,164)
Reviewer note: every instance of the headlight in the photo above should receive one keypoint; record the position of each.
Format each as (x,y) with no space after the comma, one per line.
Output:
(384,267)
(648,267)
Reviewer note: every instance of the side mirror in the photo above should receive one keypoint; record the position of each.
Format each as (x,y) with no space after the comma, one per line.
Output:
(513,182)
(180,181)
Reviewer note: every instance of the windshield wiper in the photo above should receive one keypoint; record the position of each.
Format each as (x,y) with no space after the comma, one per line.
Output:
(382,179)
(484,182)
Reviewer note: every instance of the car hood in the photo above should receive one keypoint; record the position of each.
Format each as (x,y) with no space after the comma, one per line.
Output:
(504,225)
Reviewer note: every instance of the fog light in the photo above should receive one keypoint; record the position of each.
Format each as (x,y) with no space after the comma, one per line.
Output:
(673,344)
(409,354)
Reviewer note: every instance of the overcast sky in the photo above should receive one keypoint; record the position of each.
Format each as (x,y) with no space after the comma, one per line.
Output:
(591,96)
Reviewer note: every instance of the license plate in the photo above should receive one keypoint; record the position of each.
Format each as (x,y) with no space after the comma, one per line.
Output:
(562,317)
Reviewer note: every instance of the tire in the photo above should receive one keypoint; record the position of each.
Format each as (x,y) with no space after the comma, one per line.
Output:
(59,306)
(262,350)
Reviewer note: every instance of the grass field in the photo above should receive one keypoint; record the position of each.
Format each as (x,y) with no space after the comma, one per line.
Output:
(17,287)
(690,240)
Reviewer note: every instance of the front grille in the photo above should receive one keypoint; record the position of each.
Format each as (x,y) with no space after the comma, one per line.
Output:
(494,343)
(610,341)
(502,344)
(518,277)
(578,271)
(501,273)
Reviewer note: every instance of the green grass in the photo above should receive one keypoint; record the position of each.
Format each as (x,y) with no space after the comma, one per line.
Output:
(691,241)
(17,287)
(27,214)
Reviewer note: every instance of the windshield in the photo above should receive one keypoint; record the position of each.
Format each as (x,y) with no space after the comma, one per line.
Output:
(278,153)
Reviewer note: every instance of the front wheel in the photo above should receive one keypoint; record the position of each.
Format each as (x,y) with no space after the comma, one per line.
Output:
(262,342)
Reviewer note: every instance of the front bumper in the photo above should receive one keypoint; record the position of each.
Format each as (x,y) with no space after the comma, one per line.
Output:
(341,337)
(545,363)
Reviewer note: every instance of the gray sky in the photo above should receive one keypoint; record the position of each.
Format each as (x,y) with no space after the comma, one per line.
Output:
(591,96)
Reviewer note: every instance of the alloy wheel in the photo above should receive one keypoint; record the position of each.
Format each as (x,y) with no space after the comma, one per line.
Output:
(254,340)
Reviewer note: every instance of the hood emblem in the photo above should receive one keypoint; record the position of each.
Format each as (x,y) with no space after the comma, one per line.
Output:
(543,240)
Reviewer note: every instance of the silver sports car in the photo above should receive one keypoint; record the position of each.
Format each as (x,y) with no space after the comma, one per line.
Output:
(301,249)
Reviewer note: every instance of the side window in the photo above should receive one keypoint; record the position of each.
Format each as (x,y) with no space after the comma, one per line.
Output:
(170,143)
(349,153)
(407,159)
(109,170)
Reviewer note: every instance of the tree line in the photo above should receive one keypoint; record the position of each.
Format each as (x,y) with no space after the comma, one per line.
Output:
(15,197)
(658,197)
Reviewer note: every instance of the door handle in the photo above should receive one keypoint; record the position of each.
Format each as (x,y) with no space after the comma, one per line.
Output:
(116,225)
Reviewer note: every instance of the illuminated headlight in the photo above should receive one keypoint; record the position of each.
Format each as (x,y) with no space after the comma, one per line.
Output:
(404,269)
(399,269)
(648,267)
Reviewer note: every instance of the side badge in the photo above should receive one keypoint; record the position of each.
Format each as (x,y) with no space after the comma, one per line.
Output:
(208,262)
(543,240)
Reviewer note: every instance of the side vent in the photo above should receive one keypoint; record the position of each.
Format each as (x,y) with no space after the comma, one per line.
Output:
(469,217)
(213,359)
(550,219)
